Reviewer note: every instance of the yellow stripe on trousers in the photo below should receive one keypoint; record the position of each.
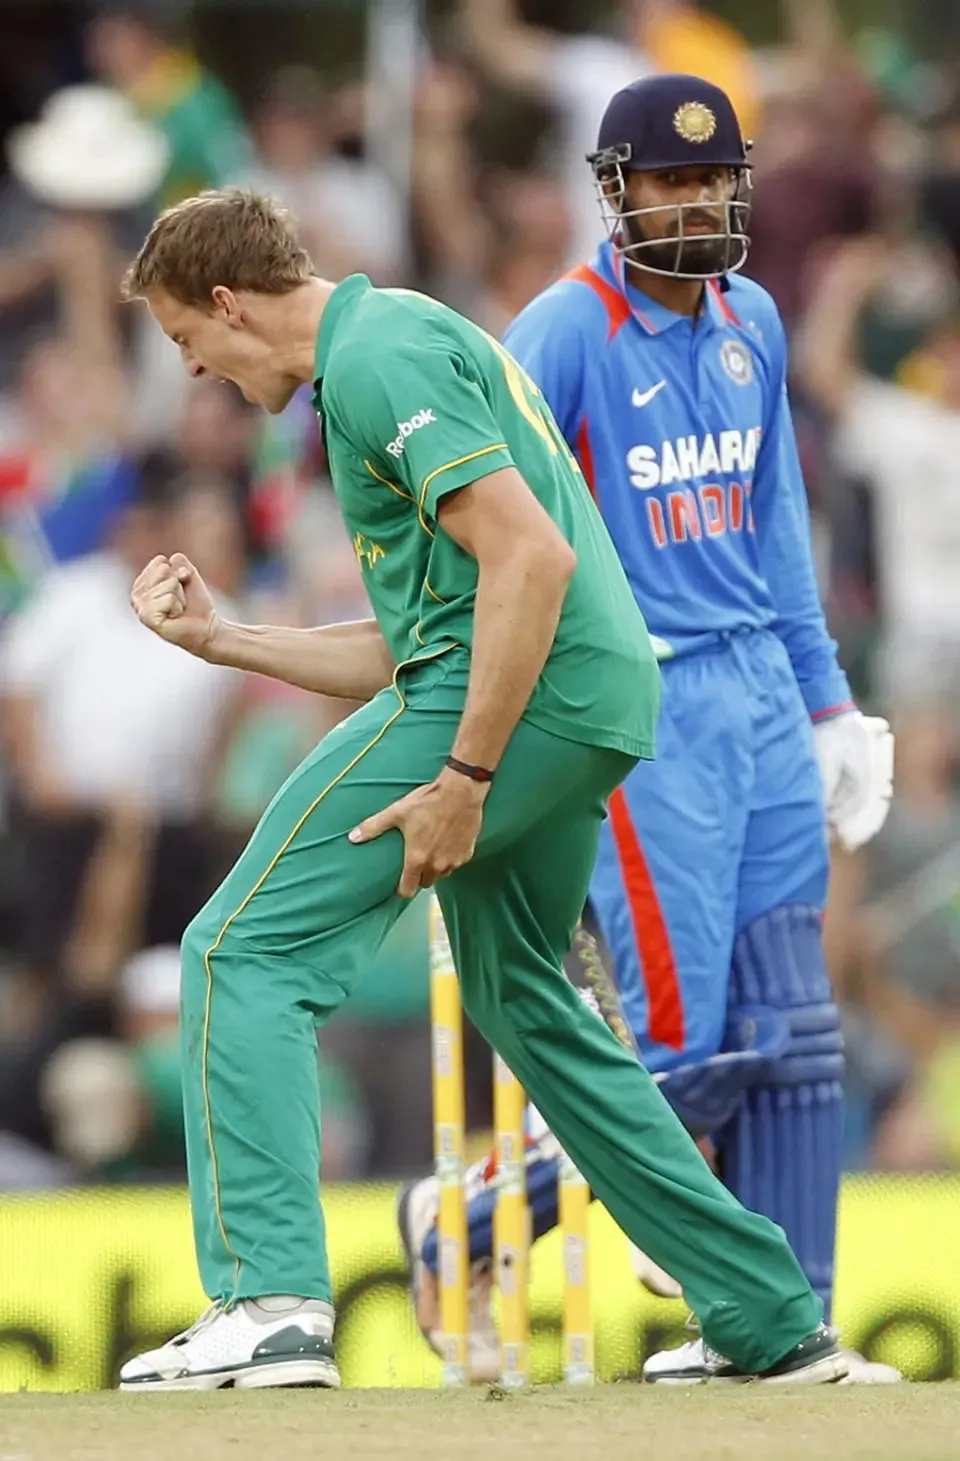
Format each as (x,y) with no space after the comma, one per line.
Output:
(208,1115)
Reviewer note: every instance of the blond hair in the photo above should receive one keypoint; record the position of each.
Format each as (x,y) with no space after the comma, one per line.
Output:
(228,236)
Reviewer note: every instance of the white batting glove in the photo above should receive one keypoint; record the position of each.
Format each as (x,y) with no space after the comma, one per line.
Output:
(856,766)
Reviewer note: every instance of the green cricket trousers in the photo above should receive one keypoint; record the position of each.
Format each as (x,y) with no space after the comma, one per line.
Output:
(289,934)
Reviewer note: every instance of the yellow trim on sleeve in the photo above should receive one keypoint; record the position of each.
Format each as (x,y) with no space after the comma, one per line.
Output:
(394,486)
(448,466)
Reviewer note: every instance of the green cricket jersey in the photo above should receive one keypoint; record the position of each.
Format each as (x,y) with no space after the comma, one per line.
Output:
(416,402)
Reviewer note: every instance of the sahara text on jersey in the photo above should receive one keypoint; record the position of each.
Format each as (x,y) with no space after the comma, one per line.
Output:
(713,509)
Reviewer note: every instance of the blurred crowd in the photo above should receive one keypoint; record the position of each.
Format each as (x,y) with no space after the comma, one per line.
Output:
(130,775)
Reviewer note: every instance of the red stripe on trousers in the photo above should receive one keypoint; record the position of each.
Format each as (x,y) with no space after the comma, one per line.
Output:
(666,1026)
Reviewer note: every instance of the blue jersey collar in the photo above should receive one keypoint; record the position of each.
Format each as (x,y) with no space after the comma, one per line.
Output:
(651,316)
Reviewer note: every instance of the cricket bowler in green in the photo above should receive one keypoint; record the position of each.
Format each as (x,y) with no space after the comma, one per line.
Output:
(508,686)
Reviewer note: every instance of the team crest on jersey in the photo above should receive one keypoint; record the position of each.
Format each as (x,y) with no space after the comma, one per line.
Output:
(695,122)
(737,362)
(367,551)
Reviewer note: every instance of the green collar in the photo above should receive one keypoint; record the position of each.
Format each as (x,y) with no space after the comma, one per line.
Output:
(346,293)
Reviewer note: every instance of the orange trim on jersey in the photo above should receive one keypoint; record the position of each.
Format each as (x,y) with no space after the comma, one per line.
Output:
(721,299)
(617,307)
(584,452)
(664,1004)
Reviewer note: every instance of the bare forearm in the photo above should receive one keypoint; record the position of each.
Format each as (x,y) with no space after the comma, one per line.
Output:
(91,322)
(827,344)
(108,923)
(512,53)
(37,781)
(456,237)
(814,27)
(21,276)
(488,25)
(88,310)
(518,608)
(344,661)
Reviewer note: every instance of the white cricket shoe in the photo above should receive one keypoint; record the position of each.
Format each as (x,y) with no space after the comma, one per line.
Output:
(416,1214)
(685,1365)
(868,1372)
(484,1353)
(256,1344)
(816,1360)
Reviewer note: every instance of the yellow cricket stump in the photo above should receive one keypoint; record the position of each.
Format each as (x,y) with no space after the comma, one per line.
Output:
(511,1216)
(578,1360)
(511,1224)
(446,1021)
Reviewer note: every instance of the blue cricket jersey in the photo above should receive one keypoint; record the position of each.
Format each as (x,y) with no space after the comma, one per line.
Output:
(683,430)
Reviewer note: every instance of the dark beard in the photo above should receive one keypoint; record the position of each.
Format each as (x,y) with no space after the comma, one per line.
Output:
(700,256)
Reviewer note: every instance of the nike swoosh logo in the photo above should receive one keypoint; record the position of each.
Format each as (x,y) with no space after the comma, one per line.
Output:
(643,398)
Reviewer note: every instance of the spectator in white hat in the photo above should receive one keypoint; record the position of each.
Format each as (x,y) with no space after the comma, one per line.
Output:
(76,173)
(135,46)
(85,166)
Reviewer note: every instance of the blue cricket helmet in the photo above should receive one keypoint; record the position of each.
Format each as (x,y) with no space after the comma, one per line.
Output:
(660,123)
(670,121)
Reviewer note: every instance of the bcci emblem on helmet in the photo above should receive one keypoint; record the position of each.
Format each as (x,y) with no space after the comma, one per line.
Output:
(694,122)
(737,362)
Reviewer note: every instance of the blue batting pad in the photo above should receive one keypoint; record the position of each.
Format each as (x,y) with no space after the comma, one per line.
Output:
(542,1198)
(706,1095)
(781,1153)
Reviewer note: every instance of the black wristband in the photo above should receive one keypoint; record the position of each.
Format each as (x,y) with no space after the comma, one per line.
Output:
(475,773)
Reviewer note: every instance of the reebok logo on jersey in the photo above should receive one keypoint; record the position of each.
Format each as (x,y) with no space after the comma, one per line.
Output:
(643,398)
(407,428)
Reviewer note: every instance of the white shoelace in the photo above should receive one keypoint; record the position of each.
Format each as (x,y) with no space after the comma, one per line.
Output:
(711,1357)
(213,1311)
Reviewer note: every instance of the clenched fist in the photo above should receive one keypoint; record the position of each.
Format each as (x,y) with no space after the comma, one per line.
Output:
(172,599)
